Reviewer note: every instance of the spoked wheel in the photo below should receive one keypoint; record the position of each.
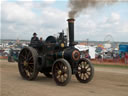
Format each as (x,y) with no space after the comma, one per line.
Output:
(61,72)
(28,63)
(48,74)
(85,71)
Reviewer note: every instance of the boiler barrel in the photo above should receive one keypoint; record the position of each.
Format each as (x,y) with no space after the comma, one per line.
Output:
(68,54)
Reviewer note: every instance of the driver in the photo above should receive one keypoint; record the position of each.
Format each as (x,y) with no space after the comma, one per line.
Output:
(34,38)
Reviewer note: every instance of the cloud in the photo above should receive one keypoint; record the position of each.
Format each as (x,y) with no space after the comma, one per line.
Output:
(53,23)
(115,16)
(96,27)
(49,1)
(20,22)
(16,20)
(15,12)
(24,0)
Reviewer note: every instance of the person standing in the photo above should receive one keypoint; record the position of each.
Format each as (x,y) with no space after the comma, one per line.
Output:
(100,57)
(41,39)
(126,58)
(87,54)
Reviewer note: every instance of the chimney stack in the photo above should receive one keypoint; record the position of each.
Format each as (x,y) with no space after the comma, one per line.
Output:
(71,31)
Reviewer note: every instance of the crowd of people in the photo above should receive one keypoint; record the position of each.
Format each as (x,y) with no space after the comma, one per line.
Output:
(114,56)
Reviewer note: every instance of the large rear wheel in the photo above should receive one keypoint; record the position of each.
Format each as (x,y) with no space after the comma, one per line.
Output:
(28,63)
(61,72)
(85,71)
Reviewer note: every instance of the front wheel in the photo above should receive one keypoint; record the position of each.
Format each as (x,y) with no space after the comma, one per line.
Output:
(85,71)
(61,72)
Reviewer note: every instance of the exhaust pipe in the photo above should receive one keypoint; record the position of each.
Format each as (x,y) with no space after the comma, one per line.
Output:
(71,31)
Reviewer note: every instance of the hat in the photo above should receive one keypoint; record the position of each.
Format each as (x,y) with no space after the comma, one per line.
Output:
(34,34)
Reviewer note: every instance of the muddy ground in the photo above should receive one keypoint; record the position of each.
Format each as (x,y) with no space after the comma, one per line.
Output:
(106,82)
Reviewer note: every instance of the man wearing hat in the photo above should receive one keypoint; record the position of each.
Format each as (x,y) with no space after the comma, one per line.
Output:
(34,38)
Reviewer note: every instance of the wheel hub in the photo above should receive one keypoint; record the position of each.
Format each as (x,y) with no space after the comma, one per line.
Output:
(25,63)
(83,70)
(59,72)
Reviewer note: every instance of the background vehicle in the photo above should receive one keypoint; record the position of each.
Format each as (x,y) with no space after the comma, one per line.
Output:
(13,55)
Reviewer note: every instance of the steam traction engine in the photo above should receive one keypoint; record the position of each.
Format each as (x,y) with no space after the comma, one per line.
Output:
(55,59)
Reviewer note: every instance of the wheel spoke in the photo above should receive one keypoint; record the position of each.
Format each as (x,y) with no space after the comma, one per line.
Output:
(84,76)
(88,73)
(89,69)
(58,76)
(29,55)
(65,69)
(81,75)
(57,68)
(30,58)
(21,60)
(25,54)
(30,68)
(31,63)
(22,56)
(61,80)
(65,76)
(27,73)
(60,66)
(87,66)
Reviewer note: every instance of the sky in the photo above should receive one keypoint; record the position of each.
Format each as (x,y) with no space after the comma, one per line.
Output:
(21,18)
